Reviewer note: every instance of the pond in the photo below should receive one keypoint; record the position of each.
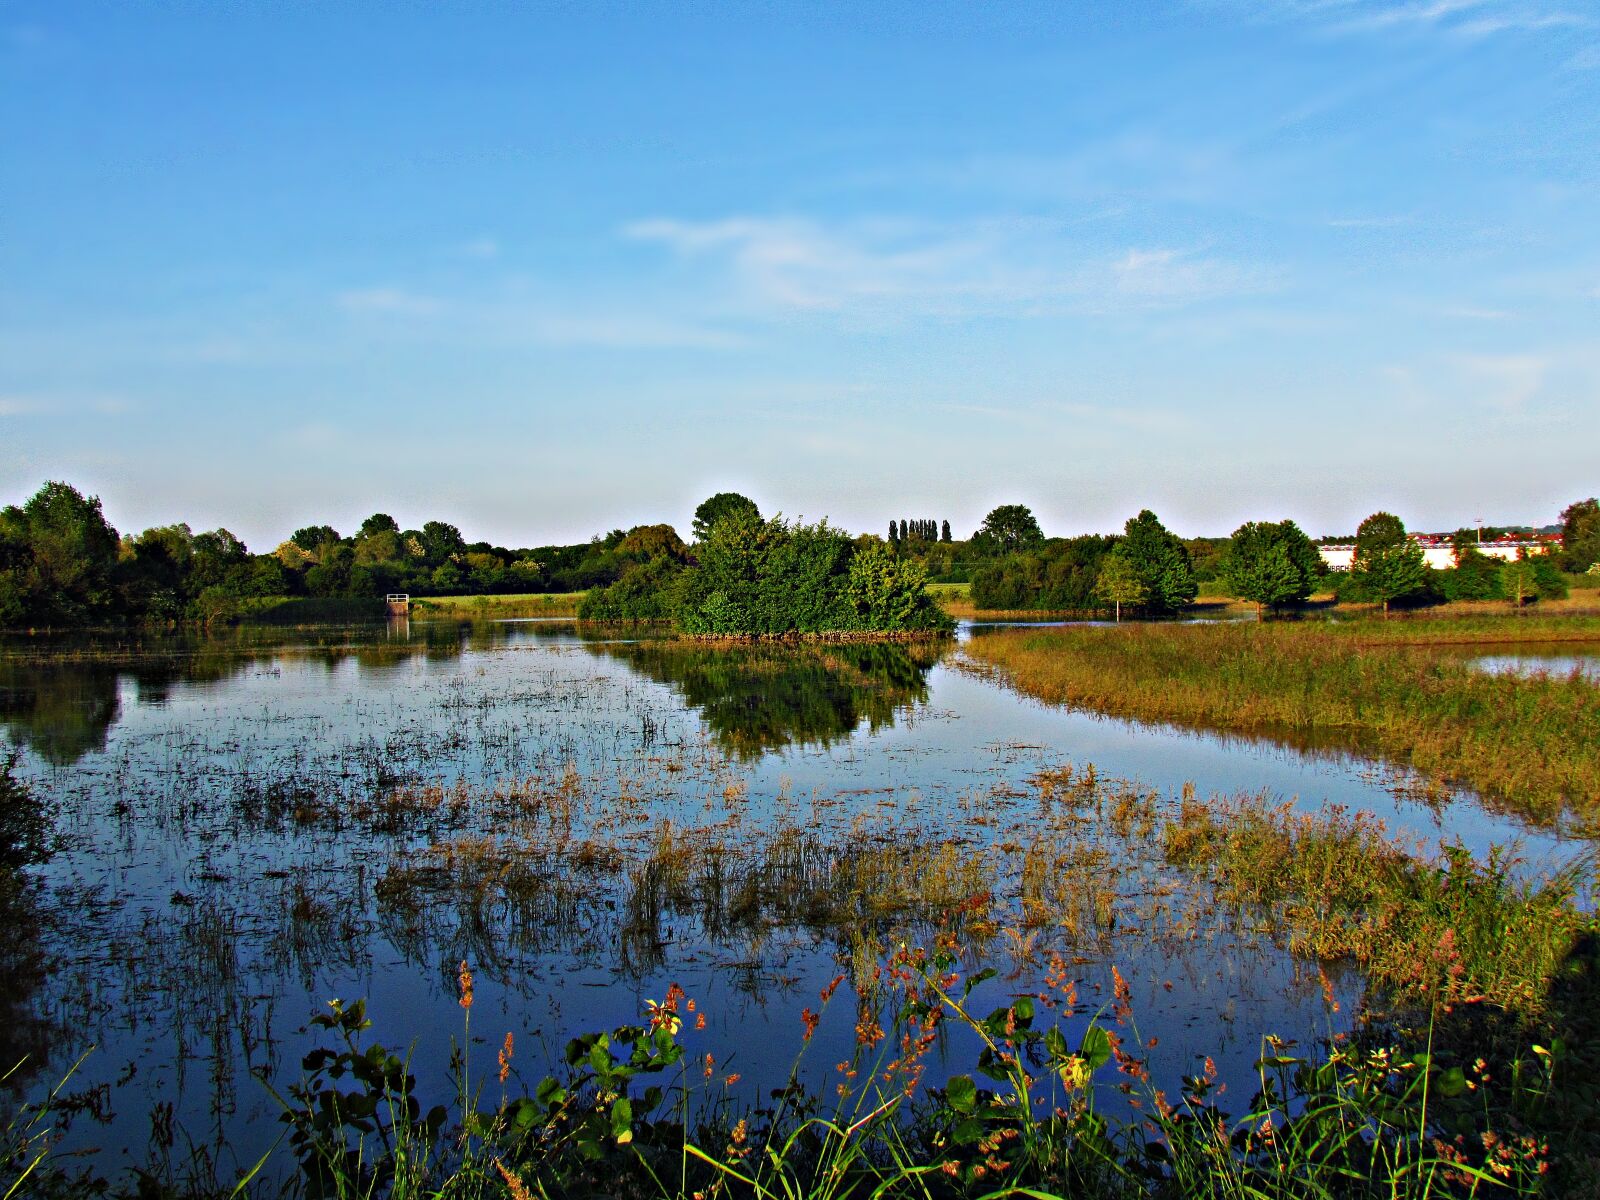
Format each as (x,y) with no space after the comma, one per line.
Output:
(259,822)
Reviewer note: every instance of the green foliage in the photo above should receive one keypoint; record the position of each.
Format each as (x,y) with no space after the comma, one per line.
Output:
(1006,530)
(718,508)
(884,592)
(1388,566)
(440,541)
(1057,577)
(1580,535)
(646,591)
(756,577)
(766,577)
(1161,562)
(1519,581)
(1271,563)
(311,538)
(647,542)
(1120,583)
(57,558)
(1475,576)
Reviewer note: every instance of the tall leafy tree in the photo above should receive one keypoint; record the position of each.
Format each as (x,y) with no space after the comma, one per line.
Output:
(1119,583)
(1008,529)
(1388,565)
(1162,562)
(378,523)
(57,558)
(1271,563)
(441,540)
(1580,534)
(944,531)
(312,538)
(718,508)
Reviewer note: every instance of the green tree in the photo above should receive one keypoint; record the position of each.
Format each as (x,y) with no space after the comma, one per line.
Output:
(718,508)
(646,542)
(1008,529)
(1271,563)
(59,558)
(312,538)
(1388,566)
(944,531)
(441,540)
(1161,561)
(378,523)
(1475,576)
(1520,580)
(887,592)
(1119,583)
(1580,535)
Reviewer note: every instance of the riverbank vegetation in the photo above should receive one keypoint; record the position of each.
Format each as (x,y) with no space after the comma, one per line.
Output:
(1529,744)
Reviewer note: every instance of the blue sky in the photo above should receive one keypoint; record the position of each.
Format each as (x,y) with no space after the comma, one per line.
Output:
(545,270)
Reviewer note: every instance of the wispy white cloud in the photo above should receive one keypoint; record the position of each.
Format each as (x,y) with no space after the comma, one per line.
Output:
(1506,382)
(1469,312)
(106,404)
(390,300)
(1464,20)
(625,331)
(895,269)
(480,248)
(1388,222)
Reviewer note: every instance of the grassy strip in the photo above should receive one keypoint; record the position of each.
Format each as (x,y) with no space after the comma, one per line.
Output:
(1530,744)
(527,604)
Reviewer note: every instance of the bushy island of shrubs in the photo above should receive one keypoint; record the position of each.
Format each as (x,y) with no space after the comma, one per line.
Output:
(753,577)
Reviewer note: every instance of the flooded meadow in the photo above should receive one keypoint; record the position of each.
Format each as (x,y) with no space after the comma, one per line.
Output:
(256,823)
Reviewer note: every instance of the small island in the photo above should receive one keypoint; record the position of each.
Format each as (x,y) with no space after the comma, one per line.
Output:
(749,577)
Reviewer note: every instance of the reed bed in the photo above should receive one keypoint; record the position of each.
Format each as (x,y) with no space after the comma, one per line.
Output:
(1528,744)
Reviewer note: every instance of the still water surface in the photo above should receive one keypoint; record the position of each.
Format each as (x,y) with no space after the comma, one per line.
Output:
(257,823)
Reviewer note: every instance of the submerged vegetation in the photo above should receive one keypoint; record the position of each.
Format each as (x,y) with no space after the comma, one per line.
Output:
(1530,744)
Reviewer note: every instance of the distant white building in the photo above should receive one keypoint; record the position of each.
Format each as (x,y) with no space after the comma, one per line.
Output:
(1438,550)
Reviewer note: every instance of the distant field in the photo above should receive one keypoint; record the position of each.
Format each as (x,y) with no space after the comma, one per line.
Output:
(524,604)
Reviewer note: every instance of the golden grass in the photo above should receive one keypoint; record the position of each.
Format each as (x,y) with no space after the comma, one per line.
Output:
(1392,689)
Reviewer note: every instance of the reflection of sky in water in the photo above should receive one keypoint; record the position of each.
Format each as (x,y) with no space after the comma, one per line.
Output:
(178,926)
(1586,666)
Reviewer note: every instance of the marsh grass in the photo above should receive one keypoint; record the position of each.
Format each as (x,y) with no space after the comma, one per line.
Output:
(1529,744)
(1335,886)
(643,1110)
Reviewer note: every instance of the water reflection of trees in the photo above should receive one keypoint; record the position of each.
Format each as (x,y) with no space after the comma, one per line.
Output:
(764,697)
(60,697)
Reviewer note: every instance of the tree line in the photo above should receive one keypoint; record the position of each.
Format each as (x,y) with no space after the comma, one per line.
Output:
(62,564)
(1273,564)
